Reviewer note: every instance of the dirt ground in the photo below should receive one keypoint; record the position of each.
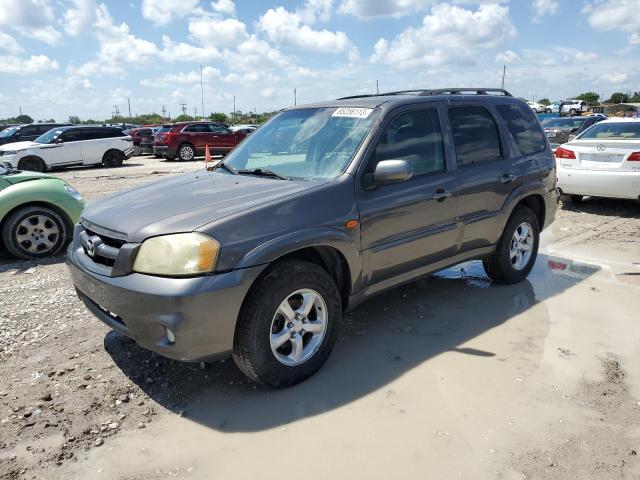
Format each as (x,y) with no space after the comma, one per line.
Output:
(447,377)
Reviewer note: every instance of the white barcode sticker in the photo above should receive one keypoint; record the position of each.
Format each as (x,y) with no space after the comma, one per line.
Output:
(352,112)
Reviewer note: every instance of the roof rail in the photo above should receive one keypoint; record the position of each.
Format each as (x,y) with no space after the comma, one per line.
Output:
(438,91)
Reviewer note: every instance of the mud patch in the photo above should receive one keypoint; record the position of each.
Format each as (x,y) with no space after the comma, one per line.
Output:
(606,448)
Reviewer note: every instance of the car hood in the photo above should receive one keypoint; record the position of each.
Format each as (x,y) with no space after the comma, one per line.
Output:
(18,146)
(185,202)
(23,176)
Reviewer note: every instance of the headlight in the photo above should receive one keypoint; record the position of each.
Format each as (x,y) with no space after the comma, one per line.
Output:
(179,254)
(72,191)
(9,152)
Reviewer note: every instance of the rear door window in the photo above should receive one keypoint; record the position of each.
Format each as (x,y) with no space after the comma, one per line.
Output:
(475,135)
(524,128)
(28,131)
(218,129)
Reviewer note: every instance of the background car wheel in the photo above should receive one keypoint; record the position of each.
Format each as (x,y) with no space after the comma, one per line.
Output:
(564,198)
(34,164)
(34,232)
(288,324)
(572,112)
(113,158)
(548,110)
(137,151)
(157,156)
(517,249)
(186,152)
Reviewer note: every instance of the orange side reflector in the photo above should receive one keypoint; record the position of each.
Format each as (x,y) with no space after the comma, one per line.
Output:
(351,224)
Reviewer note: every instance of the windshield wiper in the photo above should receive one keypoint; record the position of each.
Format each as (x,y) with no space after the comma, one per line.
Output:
(227,166)
(263,173)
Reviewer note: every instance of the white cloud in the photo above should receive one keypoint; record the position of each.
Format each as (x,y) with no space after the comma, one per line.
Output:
(164,11)
(315,10)
(79,18)
(613,78)
(558,56)
(544,7)
(9,44)
(615,15)
(30,18)
(27,66)
(286,28)
(448,35)
(181,78)
(180,51)
(224,6)
(212,30)
(507,57)
(367,9)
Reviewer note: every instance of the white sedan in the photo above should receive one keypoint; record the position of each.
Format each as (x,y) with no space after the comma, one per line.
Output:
(603,161)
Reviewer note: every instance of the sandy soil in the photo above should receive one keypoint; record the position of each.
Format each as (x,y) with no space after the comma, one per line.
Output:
(447,377)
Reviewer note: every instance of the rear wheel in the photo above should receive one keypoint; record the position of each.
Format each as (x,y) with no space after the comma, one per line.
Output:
(34,232)
(517,248)
(186,152)
(113,158)
(32,163)
(288,324)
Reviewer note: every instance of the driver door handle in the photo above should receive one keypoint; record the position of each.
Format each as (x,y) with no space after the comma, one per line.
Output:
(441,195)
(508,178)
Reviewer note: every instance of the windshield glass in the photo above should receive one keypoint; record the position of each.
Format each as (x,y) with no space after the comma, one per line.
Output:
(163,130)
(310,143)
(619,131)
(48,137)
(564,123)
(7,132)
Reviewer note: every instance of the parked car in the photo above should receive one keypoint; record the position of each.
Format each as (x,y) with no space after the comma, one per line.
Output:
(146,143)
(7,125)
(37,213)
(186,140)
(123,126)
(137,134)
(246,129)
(262,254)
(537,107)
(28,132)
(603,161)
(573,106)
(563,129)
(552,108)
(69,146)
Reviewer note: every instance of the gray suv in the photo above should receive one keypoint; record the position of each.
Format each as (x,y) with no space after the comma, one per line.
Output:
(319,209)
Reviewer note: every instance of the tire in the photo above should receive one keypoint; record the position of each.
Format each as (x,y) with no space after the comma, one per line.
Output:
(500,265)
(25,232)
(137,151)
(157,156)
(548,110)
(186,152)
(32,163)
(565,198)
(113,158)
(260,324)
(572,112)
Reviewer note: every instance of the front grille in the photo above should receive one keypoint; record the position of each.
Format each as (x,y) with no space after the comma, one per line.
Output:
(100,248)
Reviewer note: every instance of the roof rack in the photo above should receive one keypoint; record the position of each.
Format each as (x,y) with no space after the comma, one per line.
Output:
(438,91)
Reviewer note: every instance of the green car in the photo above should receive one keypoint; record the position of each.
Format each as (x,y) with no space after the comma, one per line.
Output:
(37,213)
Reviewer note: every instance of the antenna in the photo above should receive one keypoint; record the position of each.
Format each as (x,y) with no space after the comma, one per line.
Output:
(504,71)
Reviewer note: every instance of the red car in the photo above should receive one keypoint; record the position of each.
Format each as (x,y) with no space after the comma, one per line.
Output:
(137,134)
(186,140)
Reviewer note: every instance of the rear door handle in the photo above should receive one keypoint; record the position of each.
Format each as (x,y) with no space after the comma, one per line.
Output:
(441,195)
(508,178)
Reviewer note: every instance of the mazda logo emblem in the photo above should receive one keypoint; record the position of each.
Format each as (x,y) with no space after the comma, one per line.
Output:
(91,248)
(601,147)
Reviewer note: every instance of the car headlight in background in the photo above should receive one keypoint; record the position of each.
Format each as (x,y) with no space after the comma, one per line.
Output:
(72,191)
(177,255)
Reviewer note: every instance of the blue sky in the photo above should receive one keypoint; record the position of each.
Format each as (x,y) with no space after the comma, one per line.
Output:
(82,57)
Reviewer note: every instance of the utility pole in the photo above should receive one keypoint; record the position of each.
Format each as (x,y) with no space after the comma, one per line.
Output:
(20,108)
(164,109)
(504,71)
(201,93)
(116,112)
(183,106)
(234,109)
(377,88)
(195,113)
(129,104)
(295,97)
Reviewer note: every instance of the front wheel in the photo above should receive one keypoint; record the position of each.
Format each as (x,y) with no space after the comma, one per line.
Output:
(517,248)
(31,163)
(288,324)
(34,232)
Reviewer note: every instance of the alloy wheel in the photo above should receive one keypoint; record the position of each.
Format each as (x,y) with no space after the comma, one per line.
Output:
(37,234)
(521,247)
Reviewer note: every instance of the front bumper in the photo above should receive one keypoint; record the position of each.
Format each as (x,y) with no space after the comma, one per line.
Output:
(200,311)
(599,183)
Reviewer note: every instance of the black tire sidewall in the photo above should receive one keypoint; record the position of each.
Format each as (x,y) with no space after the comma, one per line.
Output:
(274,288)
(31,159)
(11,225)
(112,159)
(510,274)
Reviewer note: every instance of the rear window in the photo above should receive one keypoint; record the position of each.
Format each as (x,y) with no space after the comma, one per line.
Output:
(524,128)
(475,135)
(619,131)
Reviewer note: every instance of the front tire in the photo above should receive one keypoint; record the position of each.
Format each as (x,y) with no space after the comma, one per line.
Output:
(288,324)
(186,152)
(34,232)
(32,163)
(517,248)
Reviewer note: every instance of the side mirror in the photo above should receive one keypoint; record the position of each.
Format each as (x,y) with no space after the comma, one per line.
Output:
(58,140)
(388,172)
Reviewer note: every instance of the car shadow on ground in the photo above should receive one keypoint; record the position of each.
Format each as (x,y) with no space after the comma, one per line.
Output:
(9,262)
(381,340)
(608,207)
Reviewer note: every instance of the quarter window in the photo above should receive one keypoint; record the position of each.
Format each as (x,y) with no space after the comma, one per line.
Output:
(524,128)
(416,138)
(475,135)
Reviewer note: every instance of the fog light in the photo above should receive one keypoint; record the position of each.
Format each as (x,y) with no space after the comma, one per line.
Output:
(170,336)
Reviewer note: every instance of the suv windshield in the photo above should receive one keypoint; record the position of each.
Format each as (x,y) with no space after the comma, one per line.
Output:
(7,132)
(48,137)
(619,131)
(310,143)
(564,123)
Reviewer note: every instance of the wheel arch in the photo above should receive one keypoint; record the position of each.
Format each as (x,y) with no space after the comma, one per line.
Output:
(536,203)
(112,150)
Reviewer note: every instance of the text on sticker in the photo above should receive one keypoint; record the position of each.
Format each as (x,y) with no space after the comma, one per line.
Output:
(352,112)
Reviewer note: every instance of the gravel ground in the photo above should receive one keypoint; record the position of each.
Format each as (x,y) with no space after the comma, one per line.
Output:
(68,384)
